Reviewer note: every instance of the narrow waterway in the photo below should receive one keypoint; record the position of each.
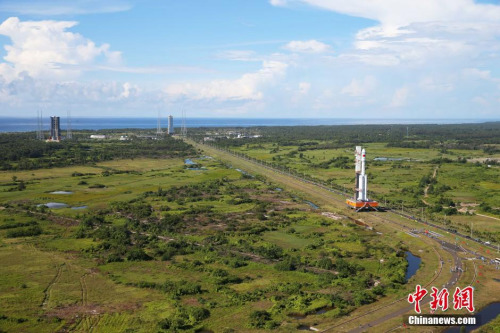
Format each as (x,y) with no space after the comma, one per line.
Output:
(413,265)
(486,315)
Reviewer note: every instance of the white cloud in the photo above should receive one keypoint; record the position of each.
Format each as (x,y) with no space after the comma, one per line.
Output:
(400,97)
(481,101)
(62,7)
(397,13)
(304,88)
(278,3)
(309,46)
(247,87)
(239,55)
(128,90)
(44,48)
(24,92)
(432,84)
(416,32)
(358,88)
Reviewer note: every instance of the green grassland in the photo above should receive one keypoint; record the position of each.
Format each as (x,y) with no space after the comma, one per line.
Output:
(161,247)
(400,183)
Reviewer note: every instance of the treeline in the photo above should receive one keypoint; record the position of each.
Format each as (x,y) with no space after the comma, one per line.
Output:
(456,136)
(20,151)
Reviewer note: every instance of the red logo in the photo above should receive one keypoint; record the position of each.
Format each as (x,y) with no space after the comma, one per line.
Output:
(464,299)
(439,300)
(417,297)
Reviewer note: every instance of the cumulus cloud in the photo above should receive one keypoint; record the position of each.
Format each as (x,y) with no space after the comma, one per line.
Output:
(400,97)
(418,31)
(25,91)
(42,49)
(396,13)
(247,87)
(304,88)
(309,46)
(238,55)
(358,88)
(278,2)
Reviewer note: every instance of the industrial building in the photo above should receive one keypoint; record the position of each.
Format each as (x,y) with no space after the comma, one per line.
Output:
(170,128)
(55,129)
(361,200)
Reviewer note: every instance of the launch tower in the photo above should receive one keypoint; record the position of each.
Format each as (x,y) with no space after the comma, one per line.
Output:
(55,129)
(170,128)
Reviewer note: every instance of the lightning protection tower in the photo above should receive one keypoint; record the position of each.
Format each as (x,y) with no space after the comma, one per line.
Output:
(159,133)
(69,132)
(183,128)
(39,125)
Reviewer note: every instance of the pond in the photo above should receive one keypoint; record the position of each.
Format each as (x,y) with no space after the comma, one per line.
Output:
(80,207)
(244,172)
(311,204)
(61,192)
(187,161)
(385,159)
(54,205)
(484,316)
(413,264)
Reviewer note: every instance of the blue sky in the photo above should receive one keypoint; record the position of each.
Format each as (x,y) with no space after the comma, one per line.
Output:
(258,58)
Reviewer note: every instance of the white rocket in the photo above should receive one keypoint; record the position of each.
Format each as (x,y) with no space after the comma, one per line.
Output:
(361,178)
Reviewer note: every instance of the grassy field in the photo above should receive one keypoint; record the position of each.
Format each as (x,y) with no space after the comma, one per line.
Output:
(399,182)
(487,286)
(254,248)
(152,245)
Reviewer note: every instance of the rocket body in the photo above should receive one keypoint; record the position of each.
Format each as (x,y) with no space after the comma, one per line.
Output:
(363,179)
(360,200)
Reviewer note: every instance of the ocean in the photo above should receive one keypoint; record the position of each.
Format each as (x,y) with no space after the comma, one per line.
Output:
(30,124)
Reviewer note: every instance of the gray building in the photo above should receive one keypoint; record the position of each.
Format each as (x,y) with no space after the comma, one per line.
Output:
(170,129)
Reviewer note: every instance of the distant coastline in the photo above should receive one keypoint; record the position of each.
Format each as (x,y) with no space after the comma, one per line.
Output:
(8,124)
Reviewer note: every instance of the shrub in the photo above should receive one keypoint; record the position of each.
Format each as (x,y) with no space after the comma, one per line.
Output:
(260,318)
(25,232)
(137,255)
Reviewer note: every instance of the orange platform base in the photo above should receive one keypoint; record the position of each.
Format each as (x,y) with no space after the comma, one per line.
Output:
(358,205)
